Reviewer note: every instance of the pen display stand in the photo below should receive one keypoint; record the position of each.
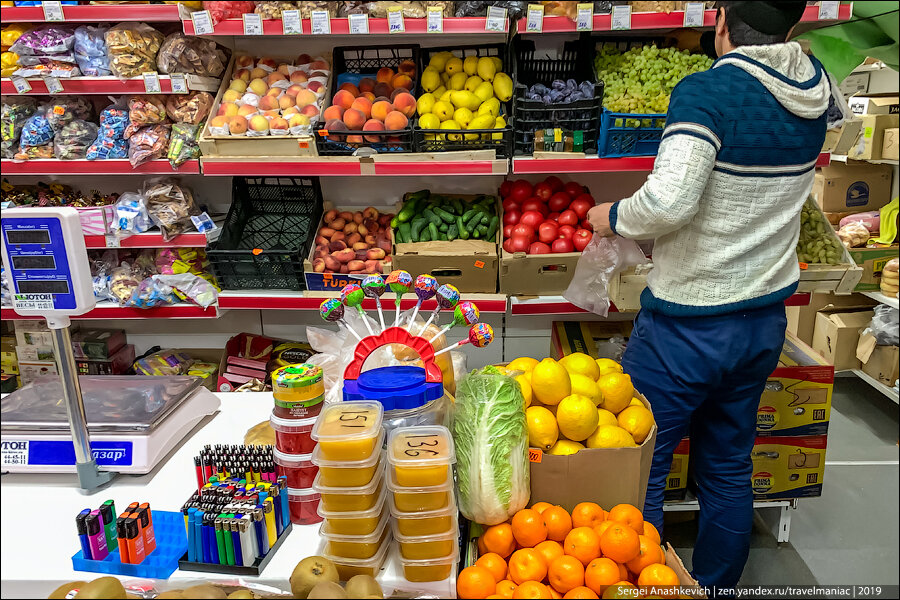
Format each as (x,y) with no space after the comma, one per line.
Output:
(253,570)
(171,544)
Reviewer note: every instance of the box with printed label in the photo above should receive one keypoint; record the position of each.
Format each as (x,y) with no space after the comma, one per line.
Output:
(788,467)
(676,481)
(874,104)
(890,146)
(9,363)
(32,353)
(33,338)
(118,364)
(589,337)
(837,334)
(97,344)
(871,144)
(879,362)
(872,261)
(34,370)
(797,397)
(854,187)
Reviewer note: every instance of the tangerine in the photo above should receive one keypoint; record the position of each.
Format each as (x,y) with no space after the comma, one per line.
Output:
(649,554)
(601,527)
(481,547)
(529,528)
(579,593)
(657,574)
(541,506)
(475,582)
(505,588)
(620,543)
(652,532)
(499,539)
(583,544)
(620,589)
(558,522)
(601,573)
(550,550)
(527,564)
(629,515)
(565,573)
(587,514)
(494,563)
(532,590)
(553,593)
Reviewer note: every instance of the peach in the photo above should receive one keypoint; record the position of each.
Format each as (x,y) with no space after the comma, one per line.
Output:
(258,73)
(259,123)
(284,69)
(242,74)
(288,113)
(238,125)
(267,63)
(335,125)
(318,65)
(299,77)
(303,59)
(238,84)
(268,103)
(274,91)
(293,90)
(286,102)
(257,86)
(369,96)
(321,74)
(317,87)
(382,99)
(333,112)
(397,92)
(310,110)
(271,113)
(227,109)
(354,139)
(353,239)
(375,254)
(231,96)
(344,99)
(402,80)
(345,255)
(306,97)
(298,120)
(372,266)
(373,125)
(363,106)
(381,109)
(366,84)
(356,266)
(360,246)
(247,110)
(337,246)
(338,236)
(346,215)
(278,123)
(408,67)
(350,88)
(395,121)
(319,265)
(219,121)
(382,89)
(406,104)
(354,119)
(243,62)
(384,75)
(273,77)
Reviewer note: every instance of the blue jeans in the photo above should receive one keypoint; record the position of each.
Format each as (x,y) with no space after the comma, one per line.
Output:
(704,377)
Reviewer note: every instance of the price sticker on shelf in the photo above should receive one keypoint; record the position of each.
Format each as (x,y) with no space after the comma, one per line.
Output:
(53,11)
(535,455)
(496,19)
(828,11)
(22,86)
(252,24)
(479,264)
(151,83)
(535,22)
(179,83)
(435,20)
(319,22)
(53,85)
(291,23)
(584,17)
(694,13)
(395,20)
(202,22)
(359,24)
(112,241)
(620,18)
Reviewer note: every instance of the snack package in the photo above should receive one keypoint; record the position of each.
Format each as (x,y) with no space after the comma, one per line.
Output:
(73,140)
(31,152)
(150,292)
(306,7)
(48,67)
(515,10)
(63,110)
(44,40)
(131,215)
(164,362)
(30,61)
(190,108)
(132,49)
(144,110)
(122,282)
(219,11)
(148,143)
(171,207)
(9,63)
(411,10)
(37,130)
(446,6)
(191,55)
(870,219)
(14,112)
(272,10)
(183,144)
(90,50)
(352,7)
(190,287)
(110,142)
(853,235)
(12,32)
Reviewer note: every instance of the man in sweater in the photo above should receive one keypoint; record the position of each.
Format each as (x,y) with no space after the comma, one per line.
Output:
(723,203)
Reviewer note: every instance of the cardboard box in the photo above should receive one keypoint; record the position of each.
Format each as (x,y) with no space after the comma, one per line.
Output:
(117,364)
(879,362)
(536,274)
(676,481)
(788,467)
(590,337)
(852,187)
(97,344)
(31,353)
(840,140)
(871,141)
(470,265)
(837,334)
(890,146)
(243,345)
(872,261)
(9,362)
(802,319)
(874,104)
(33,370)
(797,396)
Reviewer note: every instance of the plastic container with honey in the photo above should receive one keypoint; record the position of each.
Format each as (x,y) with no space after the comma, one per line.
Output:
(343,473)
(350,499)
(427,547)
(430,522)
(298,468)
(356,546)
(303,506)
(348,567)
(349,431)
(422,498)
(355,523)
(293,436)
(433,569)
(421,456)
(299,391)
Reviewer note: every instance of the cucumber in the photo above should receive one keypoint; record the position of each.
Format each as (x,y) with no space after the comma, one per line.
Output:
(482,229)
(418,224)
(452,232)
(433,230)
(463,232)
(492,228)
(405,232)
(444,215)
(468,215)
(443,237)
(443,228)
(432,218)
(426,235)
(457,205)
(476,235)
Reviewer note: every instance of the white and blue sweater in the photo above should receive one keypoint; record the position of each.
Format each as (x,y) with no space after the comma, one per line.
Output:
(735,165)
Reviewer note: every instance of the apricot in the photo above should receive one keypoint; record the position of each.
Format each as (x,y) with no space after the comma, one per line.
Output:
(268,103)
(273,77)
(373,125)
(368,96)
(384,75)
(350,88)
(299,77)
(344,99)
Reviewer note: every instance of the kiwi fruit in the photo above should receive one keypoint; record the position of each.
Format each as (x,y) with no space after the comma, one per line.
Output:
(327,589)
(204,591)
(310,571)
(104,587)
(60,592)
(243,594)
(363,586)
(173,594)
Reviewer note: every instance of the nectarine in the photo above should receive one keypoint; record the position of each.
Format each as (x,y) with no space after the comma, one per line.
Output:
(350,88)
(354,119)
(363,106)
(395,120)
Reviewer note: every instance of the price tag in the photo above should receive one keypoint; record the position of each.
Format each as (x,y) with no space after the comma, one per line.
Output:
(621,17)
(53,85)
(179,83)
(395,20)
(151,83)
(535,21)
(479,264)
(828,11)
(202,22)
(112,241)
(584,20)
(22,86)
(535,455)
(496,19)
(693,14)
(359,24)
(291,22)
(804,266)
(252,24)
(53,11)
(319,22)
(435,23)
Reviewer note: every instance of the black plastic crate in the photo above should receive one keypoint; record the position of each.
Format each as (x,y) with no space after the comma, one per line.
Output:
(575,62)
(352,64)
(446,140)
(267,234)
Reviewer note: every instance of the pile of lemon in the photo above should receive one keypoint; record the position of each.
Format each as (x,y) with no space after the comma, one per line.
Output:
(580,402)
(463,94)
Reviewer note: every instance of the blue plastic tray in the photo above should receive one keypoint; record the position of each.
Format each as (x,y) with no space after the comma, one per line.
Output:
(617,139)
(171,545)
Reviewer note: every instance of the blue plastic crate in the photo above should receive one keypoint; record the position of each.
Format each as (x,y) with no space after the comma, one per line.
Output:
(621,136)
(171,544)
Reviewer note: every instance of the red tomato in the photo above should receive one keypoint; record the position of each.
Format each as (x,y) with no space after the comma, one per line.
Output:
(535,205)
(539,248)
(505,188)
(518,243)
(521,191)
(543,191)
(581,239)
(507,245)
(553,216)
(554,182)
(532,218)
(566,231)
(525,231)
(511,217)
(585,224)
(510,204)
(573,189)
(548,231)
(507,231)
(582,204)
(559,202)
(561,245)
(568,217)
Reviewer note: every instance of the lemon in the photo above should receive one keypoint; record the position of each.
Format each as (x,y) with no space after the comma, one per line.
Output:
(429,121)
(454,65)
(580,363)
(443,110)
(486,68)
(500,123)
(525,386)
(463,116)
(565,447)
(445,97)
(585,386)
(498,64)
(617,391)
(606,418)
(523,363)
(550,382)
(528,376)
(637,421)
(439,61)
(608,365)
(491,106)
(577,417)
(542,429)
(451,124)
(636,402)
(470,65)
(610,436)
(431,79)
(425,103)
(457,81)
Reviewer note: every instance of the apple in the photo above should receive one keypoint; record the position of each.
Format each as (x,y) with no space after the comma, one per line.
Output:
(559,202)
(573,189)
(566,231)
(548,231)
(561,245)
(582,204)
(539,248)
(581,238)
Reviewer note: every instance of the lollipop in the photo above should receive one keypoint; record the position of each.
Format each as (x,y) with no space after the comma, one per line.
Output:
(332,310)
(480,335)
(373,287)
(446,296)
(352,296)
(465,313)
(399,282)
(426,286)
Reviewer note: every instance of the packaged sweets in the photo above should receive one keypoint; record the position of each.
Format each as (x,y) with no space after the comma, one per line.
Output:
(110,142)
(183,144)
(272,10)
(37,130)
(44,40)
(180,53)
(132,49)
(190,108)
(73,140)
(171,207)
(219,11)
(90,50)
(148,143)
(63,110)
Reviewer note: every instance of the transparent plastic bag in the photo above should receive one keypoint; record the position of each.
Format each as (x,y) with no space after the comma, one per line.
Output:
(74,139)
(598,264)
(190,55)
(148,143)
(90,51)
(193,288)
(885,326)
(43,40)
(171,207)
(132,49)
(131,215)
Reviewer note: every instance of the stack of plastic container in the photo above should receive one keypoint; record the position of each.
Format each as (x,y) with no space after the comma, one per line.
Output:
(299,392)
(423,501)
(350,459)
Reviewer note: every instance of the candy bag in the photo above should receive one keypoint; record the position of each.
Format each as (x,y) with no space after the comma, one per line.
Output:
(183,144)
(131,215)
(73,140)
(132,49)
(110,142)
(43,40)
(148,143)
(90,50)
(37,130)
(191,55)
(63,110)
(171,207)
(190,108)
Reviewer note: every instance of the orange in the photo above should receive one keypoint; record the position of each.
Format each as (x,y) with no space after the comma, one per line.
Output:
(527,564)
(565,573)
(601,527)
(494,563)
(649,554)
(558,522)
(651,532)
(662,553)
(601,573)
(505,588)
(550,550)
(553,593)
(481,547)
(496,597)
(629,515)
(529,528)
(587,514)
(583,544)
(581,592)
(541,506)
(657,575)
(532,589)
(624,575)
(620,543)
(620,589)
(475,582)
(499,539)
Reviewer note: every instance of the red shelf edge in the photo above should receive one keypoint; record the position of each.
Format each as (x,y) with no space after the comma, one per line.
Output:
(50,166)
(87,85)
(341,26)
(153,240)
(257,169)
(86,13)
(177,311)
(312,303)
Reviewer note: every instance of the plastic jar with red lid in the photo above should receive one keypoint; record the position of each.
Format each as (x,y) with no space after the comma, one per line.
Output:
(293,436)
(299,391)
(298,468)
(303,506)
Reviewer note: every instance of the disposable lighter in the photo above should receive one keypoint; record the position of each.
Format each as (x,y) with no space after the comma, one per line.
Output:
(108,514)
(147,528)
(81,526)
(96,536)
(121,534)
(134,539)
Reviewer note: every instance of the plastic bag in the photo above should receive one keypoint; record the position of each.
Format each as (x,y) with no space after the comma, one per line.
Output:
(144,110)
(270,9)
(73,141)
(515,10)
(307,6)
(110,142)
(64,110)
(14,112)
(47,67)
(411,10)
(43,40)
(190,287)
(190,55)
(164,362)
(122,282)
(9,63)
(183,144)
(219,11)
(853,235)
(598,264)
(131,215)
(871,220)
(30,61)
(90,50)
(37,130)
(151,292)
(885,326)
(190,108)
(148,143)
(12,32)
(171,207)
(132,49)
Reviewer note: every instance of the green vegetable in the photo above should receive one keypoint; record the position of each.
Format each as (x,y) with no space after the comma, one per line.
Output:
(418,224)
(433,230)
(452,232)
(405,232)
(432,218)
(444,215)
(463,232)
(443,227)
(492,228)
(426,236)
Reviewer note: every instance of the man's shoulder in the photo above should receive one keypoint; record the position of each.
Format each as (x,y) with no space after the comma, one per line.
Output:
(711,80)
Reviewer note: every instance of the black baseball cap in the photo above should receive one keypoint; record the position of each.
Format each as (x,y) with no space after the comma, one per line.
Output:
(772,18)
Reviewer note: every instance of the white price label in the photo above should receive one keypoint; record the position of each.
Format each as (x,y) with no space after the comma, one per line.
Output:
(828,11)
(53,85)
(14,454)
(202,22)
(252,24)
(395,20)
(53,11)
(535,21)
(435,23)
(179,83)
(693,14)
(621,17)
(584,19)
(22,86)
(151,83)
(319,22)
(112,241)
(359,24)
(291,22)
(496,19)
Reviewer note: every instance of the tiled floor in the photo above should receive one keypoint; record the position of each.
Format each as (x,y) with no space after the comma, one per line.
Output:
(849,534)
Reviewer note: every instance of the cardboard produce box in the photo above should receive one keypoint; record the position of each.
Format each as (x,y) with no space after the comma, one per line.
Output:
(853,187)
(890,146)
(676,481)
(788,467)
(874,104)
(590,337)
(872,261)
(797,396)
(879,362)
(802,319)
(470,265)
(871,144)
(837,334)
(536,274)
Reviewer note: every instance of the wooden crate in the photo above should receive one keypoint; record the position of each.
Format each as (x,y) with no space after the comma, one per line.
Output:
(840,279)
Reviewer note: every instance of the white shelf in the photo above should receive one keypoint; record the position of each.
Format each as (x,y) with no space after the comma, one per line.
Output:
(843,158)
(887,391)
(892,302)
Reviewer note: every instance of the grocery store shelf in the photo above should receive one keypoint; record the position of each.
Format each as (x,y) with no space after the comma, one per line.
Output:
(878,296)
(523,165)
(109,85)
(887,391)
(146,240)
(341,26)
(786,508)
(348,165)
(85,13)
(844,158)
(51,166)
(557,305)
(289,300)
(108,310)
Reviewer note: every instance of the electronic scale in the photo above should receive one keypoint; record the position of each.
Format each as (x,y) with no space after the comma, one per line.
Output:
(46,425)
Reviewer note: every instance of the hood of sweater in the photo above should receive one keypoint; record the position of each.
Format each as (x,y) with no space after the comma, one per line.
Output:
(797,81)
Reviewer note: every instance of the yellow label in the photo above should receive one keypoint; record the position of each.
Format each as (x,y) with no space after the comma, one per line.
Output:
(868,132)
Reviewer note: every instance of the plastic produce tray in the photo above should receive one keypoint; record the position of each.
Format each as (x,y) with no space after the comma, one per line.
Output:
(171,544)
(254,570)
(267,233)
(630,134)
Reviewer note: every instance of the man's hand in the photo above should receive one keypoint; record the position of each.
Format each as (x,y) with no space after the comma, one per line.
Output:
(598,217)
